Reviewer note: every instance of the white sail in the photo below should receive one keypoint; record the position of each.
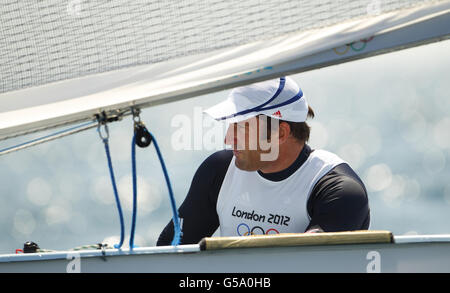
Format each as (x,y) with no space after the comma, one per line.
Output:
(57,96)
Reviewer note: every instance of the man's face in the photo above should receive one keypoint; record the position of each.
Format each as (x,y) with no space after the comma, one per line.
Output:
(249,142)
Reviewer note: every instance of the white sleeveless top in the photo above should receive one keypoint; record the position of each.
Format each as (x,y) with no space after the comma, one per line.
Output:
(249,204)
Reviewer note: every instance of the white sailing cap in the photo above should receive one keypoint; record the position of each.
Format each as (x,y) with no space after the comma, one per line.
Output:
(279,98)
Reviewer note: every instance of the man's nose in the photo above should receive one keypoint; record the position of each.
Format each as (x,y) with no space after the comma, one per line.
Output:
(230,137)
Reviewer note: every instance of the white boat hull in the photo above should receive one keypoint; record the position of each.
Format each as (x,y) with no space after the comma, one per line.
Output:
(418,254)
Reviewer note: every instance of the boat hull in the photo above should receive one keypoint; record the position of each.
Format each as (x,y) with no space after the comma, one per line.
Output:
(425,257)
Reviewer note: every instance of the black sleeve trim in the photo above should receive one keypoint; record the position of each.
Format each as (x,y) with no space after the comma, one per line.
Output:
(198,210)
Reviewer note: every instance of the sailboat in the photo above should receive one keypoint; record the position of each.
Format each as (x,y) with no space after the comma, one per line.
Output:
(86,65)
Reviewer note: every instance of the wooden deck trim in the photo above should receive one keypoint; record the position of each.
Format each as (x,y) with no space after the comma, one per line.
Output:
(297,239)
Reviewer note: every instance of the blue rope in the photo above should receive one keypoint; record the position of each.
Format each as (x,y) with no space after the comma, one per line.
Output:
(133,171)
(177,230)
(116,194)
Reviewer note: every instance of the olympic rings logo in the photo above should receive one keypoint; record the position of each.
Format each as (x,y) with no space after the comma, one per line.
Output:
(244,230)
(354,46)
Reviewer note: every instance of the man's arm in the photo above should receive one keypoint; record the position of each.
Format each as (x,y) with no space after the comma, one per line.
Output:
(198,211)
(339,202)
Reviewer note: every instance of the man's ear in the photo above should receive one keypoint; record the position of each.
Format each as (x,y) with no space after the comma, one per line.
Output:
(284,131)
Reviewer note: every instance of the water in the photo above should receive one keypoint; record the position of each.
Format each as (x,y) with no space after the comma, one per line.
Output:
(388,116)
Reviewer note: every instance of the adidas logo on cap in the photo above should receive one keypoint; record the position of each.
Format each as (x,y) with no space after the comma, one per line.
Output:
(277,114)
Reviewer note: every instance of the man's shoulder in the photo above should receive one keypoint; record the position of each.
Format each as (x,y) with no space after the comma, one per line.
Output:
(326,157)
(341,168)
(339,201)
(217,160)
(342,180)
(345,171)
(221,156)
(212,171)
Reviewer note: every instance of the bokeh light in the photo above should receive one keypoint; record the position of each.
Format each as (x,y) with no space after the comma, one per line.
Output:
(354,154)
(24,222)
(39,191)
(378,177)
(148,193)
(319,135)
(441,132)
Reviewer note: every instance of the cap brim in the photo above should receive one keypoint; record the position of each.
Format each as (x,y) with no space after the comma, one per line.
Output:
(225,110)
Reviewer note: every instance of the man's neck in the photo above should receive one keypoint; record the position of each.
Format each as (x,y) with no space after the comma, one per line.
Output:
(288,153)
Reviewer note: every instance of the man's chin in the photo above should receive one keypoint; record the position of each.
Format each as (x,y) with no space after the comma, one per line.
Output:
(243,166)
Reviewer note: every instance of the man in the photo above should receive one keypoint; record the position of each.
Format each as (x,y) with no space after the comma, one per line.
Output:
(271,182)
